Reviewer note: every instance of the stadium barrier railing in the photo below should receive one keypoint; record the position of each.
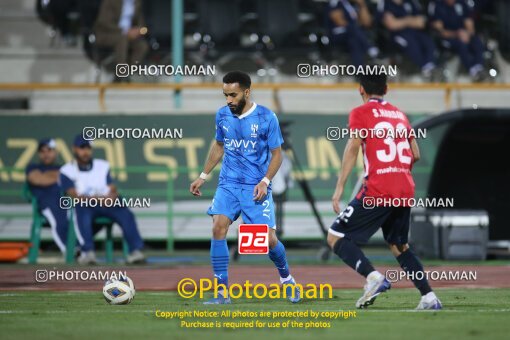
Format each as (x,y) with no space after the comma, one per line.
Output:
(170,194)
(101,89)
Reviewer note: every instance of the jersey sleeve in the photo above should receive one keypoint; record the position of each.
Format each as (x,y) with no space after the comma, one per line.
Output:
(274,134)
(65,183)
(356,121)
(219,136)
(29,168)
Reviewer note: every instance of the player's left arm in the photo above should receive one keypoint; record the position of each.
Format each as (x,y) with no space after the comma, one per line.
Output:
(274,142)
(415,150)
(260,189)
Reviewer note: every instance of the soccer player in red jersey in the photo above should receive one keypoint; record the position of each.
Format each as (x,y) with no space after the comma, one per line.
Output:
(389,152)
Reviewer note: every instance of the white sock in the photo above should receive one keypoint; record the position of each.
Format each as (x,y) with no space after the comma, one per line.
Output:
(430,296)
(284,279)
(375,275)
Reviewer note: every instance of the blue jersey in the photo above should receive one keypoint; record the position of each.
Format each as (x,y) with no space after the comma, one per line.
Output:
(247,140)
(47,195)
(452,17)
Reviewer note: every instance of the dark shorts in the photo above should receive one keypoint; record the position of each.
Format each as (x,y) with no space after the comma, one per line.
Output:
(359,224)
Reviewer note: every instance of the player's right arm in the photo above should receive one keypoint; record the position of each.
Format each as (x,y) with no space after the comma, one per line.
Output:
(213,158)
(348,161)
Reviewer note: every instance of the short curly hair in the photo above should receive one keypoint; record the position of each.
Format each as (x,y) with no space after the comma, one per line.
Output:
(240,77)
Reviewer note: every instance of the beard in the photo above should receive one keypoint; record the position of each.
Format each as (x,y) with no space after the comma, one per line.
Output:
(83,160)
(238,109)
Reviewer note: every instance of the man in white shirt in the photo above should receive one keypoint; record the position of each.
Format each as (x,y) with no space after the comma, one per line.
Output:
(87,178)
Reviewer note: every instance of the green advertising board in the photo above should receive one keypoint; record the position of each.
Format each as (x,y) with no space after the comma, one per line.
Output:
(148,165)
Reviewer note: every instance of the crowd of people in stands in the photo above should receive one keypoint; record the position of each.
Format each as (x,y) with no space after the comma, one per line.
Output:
(412,29)
(416,29)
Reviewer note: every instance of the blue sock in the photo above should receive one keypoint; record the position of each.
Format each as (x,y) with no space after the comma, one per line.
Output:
(219,261)
(277,255)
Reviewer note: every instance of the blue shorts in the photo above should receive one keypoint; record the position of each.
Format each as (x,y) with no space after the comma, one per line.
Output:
(235,200)
(359,223)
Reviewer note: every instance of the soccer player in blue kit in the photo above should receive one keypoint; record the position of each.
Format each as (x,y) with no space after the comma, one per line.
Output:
(248,138)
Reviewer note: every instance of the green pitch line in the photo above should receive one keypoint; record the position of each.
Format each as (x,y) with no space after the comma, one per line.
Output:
(468,314)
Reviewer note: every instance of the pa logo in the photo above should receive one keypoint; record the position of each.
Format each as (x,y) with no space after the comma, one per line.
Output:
(253,239)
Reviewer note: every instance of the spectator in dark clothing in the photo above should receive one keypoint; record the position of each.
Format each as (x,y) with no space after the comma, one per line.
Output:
(452,20)
(347,23)
(43,178)
(406,22)
(120,25)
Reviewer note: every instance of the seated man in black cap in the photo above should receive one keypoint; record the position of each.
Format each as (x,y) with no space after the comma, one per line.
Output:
(43,178)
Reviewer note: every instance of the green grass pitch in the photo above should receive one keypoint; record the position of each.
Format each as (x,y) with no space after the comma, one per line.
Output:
(468,313)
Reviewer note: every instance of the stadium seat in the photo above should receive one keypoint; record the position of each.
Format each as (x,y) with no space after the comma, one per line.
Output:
(158,17)
(214,12)
(503,27)
(62,17)
(101,57)
(39,222)
(220,30)
(288,35)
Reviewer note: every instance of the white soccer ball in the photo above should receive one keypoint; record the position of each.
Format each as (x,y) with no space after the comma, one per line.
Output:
(119,291)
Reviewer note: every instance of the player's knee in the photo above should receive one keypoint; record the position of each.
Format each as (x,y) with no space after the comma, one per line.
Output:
(398,249)
(273,240)
(220,228)
(332,240)
(219,231)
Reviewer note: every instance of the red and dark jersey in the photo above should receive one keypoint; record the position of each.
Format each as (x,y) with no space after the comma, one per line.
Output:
(387,156)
